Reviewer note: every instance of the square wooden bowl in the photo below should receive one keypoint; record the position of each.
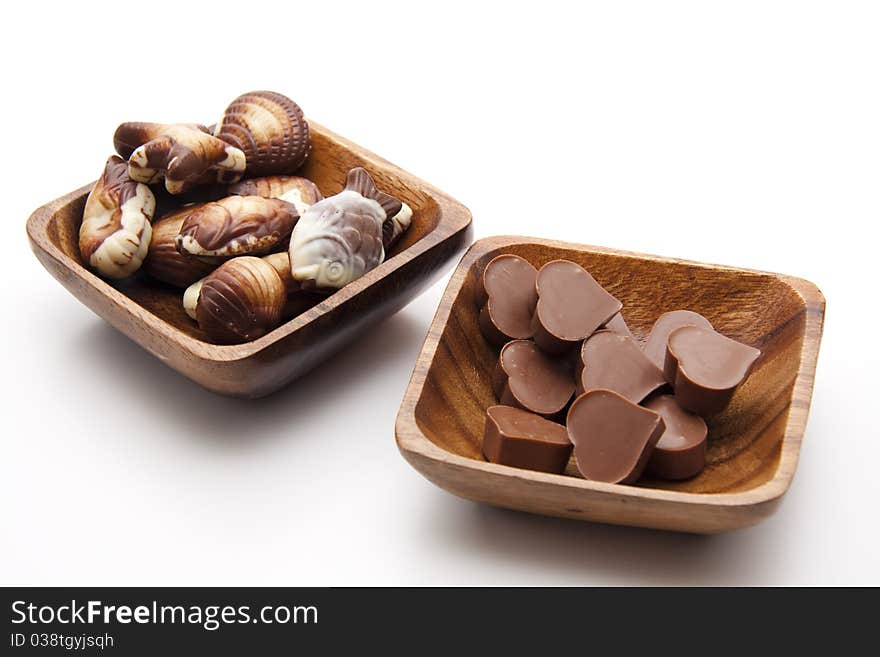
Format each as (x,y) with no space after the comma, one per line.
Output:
(753,445)
(151,314)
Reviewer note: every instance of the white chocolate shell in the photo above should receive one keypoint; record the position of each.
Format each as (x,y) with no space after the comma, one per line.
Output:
(271,131)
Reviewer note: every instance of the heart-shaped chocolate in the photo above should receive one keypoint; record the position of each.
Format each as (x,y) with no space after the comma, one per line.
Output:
(619,325)
(705,368)
(655,345)
(613,438)
(524,440)
(527,378)
(681,451)
(507,297)
(571,306)
(615,362)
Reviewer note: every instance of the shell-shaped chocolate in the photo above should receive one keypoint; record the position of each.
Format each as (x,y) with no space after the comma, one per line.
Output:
(300,191)
(236,225)
(165,263)
(240,301)
(115,231)
(298,300)
(270,129)
(281,264)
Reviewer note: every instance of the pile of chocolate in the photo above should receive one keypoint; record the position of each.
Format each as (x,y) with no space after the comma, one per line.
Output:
(562,337)
(218,212)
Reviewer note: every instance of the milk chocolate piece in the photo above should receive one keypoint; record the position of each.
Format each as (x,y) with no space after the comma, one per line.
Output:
(706,367)
(524,440)
(507,296)
(655,346)
(571,306)
(527,378)
(615,362)
(618,325)
(613,437)
(681,451)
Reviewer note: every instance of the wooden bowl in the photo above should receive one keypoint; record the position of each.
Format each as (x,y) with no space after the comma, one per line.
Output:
(754,444)
(151,314)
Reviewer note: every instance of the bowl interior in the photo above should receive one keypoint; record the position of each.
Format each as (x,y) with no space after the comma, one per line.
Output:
(761,310)
(327,167)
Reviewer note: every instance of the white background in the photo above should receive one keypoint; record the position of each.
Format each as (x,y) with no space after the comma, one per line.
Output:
(744,133)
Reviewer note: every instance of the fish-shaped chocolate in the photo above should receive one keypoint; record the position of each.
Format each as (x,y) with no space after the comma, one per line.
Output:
(340,238)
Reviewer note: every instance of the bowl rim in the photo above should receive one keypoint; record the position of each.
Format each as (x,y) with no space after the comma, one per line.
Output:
(411,441)
(453,217)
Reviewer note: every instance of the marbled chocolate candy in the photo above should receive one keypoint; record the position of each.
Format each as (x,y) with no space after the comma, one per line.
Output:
(340,238)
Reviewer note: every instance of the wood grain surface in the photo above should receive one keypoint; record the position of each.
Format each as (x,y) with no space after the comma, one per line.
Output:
(753,444)
(151,313)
